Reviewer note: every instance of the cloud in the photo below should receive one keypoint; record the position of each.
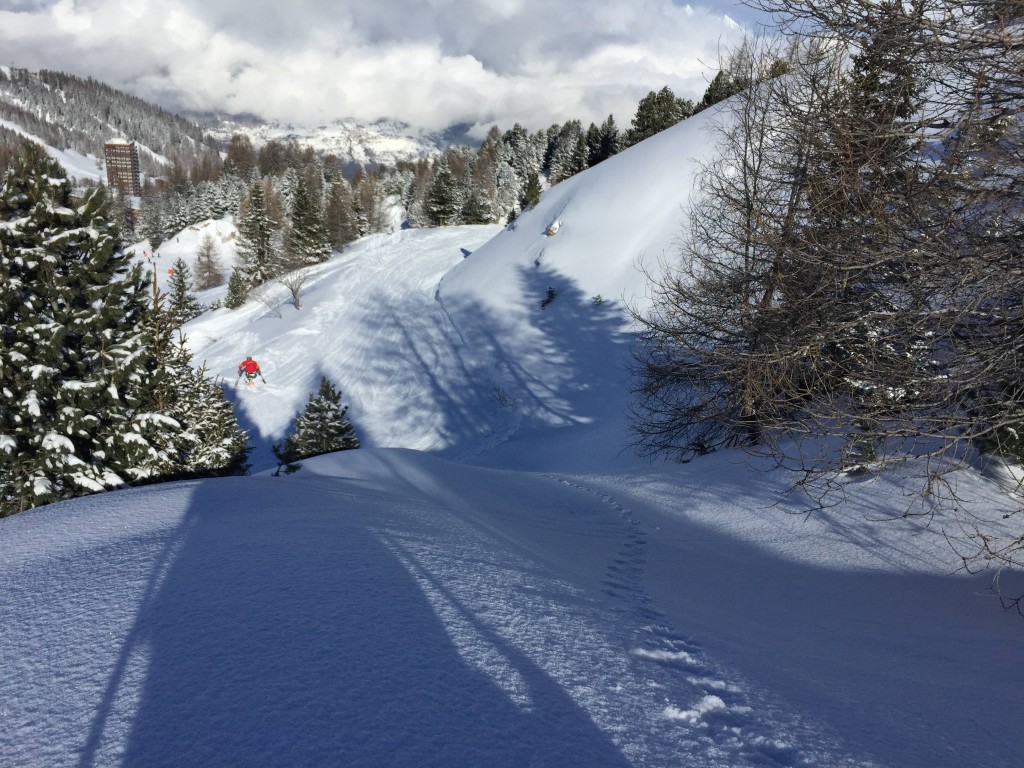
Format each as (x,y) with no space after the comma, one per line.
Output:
(428,62)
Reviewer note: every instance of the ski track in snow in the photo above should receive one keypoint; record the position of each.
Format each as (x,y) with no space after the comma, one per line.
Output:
(705,719)
(343,661)
(394,370)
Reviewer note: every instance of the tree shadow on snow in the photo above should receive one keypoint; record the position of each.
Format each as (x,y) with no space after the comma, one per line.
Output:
(484,377)
(261,457)
(283,632)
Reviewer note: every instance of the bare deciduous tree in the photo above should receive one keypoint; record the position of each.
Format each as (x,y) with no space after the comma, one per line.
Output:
(294,282)
(208,272)
(852,268)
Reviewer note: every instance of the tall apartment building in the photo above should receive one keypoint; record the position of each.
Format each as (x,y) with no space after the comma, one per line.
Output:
(123,166)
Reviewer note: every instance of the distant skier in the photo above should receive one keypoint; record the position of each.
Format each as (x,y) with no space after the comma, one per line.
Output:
(251,369)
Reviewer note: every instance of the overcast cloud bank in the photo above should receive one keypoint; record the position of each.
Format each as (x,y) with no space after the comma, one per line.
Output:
(430,64)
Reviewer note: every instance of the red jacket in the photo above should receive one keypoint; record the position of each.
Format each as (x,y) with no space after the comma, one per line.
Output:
(249,366)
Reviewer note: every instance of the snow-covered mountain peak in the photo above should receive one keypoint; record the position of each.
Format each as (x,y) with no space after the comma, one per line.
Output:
(382,142)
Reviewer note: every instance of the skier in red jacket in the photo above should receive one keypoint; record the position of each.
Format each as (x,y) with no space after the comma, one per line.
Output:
(250,368)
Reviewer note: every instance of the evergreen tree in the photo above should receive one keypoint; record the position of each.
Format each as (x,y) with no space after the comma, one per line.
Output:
(72,356)
(151,223)
(340,215)
(444,201)
(477,208)
(656,112)
(215,445)
(208,271)
(256,239)
(531,192)
(496,176)
(183,306)
(719,89)
(195,426)
(238,290)
(321,427)
(883,91)
(306,242)
(602,142)
(523,155)
(569,152)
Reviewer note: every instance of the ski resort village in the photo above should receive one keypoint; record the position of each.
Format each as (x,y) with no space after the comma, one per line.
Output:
(598,405)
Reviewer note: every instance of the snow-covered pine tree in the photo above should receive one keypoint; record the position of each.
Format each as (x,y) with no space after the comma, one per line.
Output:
(72,353)
(176,212)
(208,271)
(523,152)
(443,202)
(531,192)
(151,219)
(256,238)
(238,290)
(477,208)
(215,444)
(190,423)
(322,426)
(503,186)
(569,152)
(182,305)
(306,242)
(602,142)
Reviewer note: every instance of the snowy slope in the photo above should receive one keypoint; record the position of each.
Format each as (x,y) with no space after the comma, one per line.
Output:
(370,322)
(390,608)
(435,351)
(519,589)
(78,166)
(608,221)
(185,246)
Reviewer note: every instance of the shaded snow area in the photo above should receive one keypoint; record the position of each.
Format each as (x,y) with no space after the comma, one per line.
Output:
(494,578)
(383,607)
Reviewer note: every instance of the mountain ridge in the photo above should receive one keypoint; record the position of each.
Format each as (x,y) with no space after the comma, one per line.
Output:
(65,111)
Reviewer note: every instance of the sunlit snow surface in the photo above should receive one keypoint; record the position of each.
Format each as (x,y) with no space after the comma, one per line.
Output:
(520,590)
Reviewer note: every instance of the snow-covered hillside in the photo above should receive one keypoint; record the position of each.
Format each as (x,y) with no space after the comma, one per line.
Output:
(77,166)
(495,578)
(75,116)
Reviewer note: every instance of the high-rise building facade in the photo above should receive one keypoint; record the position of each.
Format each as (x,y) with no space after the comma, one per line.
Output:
(123,166)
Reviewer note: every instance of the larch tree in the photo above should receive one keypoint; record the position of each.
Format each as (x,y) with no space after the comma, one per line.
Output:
(340,215)
(208,273)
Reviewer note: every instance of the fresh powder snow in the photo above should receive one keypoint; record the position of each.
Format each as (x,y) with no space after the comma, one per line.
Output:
(495,578)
